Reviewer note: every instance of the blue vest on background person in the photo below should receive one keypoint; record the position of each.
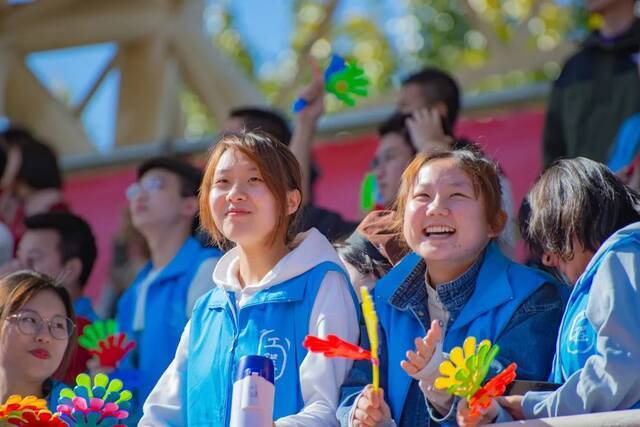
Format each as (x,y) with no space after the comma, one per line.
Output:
(83,308)
(501,287)
(273,323)
(165,315)
(577,336)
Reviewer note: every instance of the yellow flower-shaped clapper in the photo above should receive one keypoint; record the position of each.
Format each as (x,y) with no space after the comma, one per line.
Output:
(466,368)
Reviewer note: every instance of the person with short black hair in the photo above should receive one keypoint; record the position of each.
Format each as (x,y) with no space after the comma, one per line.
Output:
(156,307)
(261,119)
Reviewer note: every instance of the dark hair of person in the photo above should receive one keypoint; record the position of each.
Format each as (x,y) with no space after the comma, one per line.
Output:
(75,238)
(438,86)
(39,163)
(396,125)
(576,199)
(264,120)
(363,256)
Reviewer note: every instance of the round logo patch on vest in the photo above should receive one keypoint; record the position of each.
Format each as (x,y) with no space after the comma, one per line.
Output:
(276,349)
(580,340)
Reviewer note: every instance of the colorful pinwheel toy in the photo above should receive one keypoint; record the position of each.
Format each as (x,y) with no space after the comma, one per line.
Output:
(343,79)
(103,341)
(334,346)
(466,370)
(29,411)
(101,403)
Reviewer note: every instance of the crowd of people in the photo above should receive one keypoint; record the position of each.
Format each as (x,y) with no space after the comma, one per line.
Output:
(236,259)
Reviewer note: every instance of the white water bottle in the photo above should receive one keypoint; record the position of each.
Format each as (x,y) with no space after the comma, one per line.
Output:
(253,393)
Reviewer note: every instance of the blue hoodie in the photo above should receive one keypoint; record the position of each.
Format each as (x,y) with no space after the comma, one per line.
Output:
(598,347)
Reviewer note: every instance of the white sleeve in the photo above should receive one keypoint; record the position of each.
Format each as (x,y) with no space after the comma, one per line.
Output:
(201,284)
(164,405)
(321,377)
(440,399)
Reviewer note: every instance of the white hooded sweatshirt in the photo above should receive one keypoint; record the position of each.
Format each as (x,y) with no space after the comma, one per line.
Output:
(320,377)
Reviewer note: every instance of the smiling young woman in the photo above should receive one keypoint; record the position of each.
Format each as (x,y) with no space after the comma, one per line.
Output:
(37,335)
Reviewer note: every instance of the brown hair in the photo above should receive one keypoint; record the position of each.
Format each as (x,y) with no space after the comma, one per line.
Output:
(279,169)
(20,287)
(484,174)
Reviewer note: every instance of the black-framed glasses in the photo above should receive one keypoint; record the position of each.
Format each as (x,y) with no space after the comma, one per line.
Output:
(29,322)
(151,184)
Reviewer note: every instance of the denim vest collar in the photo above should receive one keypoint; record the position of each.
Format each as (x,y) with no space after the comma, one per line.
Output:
(453,295)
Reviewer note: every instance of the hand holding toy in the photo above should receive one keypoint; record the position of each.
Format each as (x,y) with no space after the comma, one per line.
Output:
(102,340)
(343,79)
(466,370)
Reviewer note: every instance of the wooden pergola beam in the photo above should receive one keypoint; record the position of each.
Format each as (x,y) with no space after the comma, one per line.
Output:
(148,77)
(85,22)
(30,104)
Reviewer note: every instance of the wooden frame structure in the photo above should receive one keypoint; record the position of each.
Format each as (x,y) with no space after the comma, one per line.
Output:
(161,44)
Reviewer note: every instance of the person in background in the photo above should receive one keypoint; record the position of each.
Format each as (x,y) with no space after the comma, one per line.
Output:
(37,335)
(30,180)
(62,246)
(372,250)
(598,87)
(130,253)
(155,308)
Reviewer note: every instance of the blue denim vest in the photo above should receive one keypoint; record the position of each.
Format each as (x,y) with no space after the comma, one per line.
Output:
(502,290)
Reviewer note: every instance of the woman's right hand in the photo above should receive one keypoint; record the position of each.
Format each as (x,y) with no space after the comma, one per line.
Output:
(371,408)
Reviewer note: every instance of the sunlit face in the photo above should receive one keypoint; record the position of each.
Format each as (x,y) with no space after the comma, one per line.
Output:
(34,357)
(244,209)
(573,268)
(444,220)
(392,157)
(38,251)
(411,99)
(158,203)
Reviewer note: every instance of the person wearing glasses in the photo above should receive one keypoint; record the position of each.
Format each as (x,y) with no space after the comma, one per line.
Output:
(155,309)
(62,246)
(37,333)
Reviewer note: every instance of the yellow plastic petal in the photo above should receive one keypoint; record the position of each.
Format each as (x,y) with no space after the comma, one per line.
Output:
(469,346)
(447,369)
(457,356)
(443,383)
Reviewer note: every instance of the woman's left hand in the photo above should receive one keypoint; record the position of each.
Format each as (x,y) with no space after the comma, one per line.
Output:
(513,405)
